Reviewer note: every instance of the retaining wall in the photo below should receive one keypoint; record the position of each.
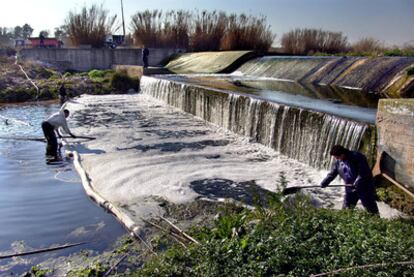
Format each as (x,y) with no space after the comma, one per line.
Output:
(86,59)
(395,124)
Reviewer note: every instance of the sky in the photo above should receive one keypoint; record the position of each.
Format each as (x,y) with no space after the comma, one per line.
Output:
(389,21)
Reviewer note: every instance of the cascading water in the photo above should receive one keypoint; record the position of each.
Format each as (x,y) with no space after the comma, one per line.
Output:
(304,135)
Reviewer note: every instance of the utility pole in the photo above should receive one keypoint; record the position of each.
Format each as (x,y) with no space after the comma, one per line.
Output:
(123,22)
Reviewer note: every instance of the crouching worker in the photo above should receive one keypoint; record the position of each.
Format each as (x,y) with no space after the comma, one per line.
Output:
(51,126)
(353,168)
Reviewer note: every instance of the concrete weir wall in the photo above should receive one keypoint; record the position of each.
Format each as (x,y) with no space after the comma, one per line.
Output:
(86,59)
(395,124)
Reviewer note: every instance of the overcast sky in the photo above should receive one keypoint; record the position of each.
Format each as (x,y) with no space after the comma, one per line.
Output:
(390,21)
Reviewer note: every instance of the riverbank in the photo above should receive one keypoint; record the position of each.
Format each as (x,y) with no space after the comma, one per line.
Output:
(151,160)
(43,81)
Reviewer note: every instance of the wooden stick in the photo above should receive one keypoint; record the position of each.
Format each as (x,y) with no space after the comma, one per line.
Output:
(361,267)
(115,265)
(397,184)
(176,237)
(42,250)
(181,232)
(145,243)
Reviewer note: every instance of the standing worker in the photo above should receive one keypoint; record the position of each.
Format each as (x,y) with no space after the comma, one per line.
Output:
(51,126)
(62,94)
(145,54)
(353,168)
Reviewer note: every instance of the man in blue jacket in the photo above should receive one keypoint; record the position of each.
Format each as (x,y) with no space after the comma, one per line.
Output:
(353,168)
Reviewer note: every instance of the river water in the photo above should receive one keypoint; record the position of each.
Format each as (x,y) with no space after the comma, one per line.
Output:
(43,204)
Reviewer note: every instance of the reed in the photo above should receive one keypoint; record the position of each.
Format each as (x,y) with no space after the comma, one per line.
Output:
(201,31)
(90,26)
(157,30)
(208,30)
(309,41)
(247,32)
(368,45)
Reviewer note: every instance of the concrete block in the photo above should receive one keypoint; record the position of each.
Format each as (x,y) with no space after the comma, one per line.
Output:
(395,124)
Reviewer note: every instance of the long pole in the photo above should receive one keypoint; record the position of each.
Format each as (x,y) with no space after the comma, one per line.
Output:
(123,22)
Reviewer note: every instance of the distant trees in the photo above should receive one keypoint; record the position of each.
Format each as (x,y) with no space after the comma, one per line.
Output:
(89,26)
(44,33)
(18,32)
(27,31)
(308,41)
(201,31)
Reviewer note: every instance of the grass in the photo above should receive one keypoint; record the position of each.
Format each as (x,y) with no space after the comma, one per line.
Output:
(290,238)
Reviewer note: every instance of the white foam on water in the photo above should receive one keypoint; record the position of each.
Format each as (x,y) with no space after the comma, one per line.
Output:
(146,149)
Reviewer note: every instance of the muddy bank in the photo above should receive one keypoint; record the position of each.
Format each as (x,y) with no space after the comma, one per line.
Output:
(43,81)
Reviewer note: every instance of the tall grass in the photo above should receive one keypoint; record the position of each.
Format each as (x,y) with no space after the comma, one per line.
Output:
(89,26)
(247,32)
(155,29)
(368,45)
(308,41)
(208,30)
(201,31)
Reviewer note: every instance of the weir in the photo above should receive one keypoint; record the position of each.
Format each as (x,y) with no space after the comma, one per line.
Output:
(381,75)
(302,134)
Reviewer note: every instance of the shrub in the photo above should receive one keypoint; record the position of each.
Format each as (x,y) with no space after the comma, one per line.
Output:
(99,75)
(155,29)
(208,30)
(291,238)
(309,41)
(368,45)
(204,31)
(122,82)
(90,26)
(247,32)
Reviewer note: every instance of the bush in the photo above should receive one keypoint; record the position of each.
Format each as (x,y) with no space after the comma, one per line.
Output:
(155,29)
(309,41)
(368,45)
(90,26)
(247,32)
(99,75)
(291,238)
(122,82)
(204,31)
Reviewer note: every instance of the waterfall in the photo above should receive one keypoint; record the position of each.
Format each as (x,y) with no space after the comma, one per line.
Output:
(304,135)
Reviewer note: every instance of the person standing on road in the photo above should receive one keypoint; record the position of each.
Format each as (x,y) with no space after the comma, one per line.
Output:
(353,168)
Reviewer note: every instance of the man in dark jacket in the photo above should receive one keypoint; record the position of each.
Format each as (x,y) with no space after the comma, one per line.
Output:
(62,94)
(353,168)
(145,54)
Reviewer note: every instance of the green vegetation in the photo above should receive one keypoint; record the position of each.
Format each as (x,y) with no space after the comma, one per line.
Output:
(122,82)
(396,198)
(100,74)
(37,272)
(410,71)
(291,238)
